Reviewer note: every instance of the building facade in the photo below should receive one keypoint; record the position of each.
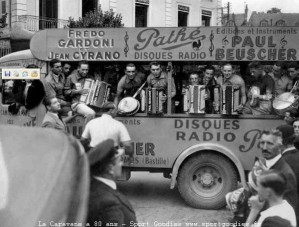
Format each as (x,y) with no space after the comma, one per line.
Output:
(166,13)
(24,17)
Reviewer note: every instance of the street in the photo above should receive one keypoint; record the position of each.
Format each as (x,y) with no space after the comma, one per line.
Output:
(156,204)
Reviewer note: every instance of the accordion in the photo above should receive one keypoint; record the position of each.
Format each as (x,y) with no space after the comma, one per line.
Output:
(229,99)
(153,103)
(98,93)
(194,99)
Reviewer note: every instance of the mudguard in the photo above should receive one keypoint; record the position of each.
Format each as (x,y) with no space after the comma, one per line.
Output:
(44,178)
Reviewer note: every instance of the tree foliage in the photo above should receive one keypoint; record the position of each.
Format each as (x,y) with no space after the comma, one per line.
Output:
(274,10)
(97,19)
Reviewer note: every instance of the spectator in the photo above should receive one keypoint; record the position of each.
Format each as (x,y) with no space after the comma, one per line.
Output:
(28,94)
(290,154)
(52,118)
(271,186)
(296,126)
(271,147)
(105,127)
(106,204)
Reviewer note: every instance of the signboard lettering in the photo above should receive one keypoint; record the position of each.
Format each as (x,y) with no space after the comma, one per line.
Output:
(165,44)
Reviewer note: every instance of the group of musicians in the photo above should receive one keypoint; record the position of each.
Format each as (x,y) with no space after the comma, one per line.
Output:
(207,91)
(263,85)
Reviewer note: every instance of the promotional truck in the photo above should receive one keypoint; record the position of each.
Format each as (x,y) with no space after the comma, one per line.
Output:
(204,155)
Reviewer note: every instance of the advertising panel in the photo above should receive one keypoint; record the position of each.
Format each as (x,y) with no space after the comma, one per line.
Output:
(168,44)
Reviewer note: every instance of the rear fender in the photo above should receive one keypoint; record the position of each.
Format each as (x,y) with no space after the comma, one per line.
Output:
(201,148)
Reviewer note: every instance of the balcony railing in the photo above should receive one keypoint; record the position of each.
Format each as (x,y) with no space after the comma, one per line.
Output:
(35,23)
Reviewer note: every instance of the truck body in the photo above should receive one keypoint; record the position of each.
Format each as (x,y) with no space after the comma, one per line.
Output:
(205,155)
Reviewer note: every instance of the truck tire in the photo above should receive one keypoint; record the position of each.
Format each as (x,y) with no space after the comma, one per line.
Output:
(204,180)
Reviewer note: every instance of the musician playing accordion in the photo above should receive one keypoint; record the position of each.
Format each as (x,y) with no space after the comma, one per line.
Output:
(209,83)
(261,92)
(74,89)
(229,78)
(158,79)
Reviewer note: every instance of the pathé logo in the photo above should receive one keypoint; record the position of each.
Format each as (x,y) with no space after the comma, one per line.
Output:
(152,36)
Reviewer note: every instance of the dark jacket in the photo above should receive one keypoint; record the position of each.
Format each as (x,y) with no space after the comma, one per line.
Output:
(35,94)
(291,189)
(108,206)
(292,158)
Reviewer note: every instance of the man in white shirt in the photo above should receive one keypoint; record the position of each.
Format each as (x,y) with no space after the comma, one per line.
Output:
(271,186)
(106,127)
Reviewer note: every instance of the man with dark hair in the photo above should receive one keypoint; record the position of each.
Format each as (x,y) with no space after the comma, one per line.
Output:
(106,204)
(128,84)
(54,84)
(28,94)
(282,82)
(52,118)
(74,89)
(290,154)
(229,78)
(66,69)
(271,146)
(271,186)
(293,70)
(261,91)
(106,127)
(210,82)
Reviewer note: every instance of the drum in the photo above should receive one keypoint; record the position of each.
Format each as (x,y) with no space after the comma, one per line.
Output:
(286,102)
(128,106)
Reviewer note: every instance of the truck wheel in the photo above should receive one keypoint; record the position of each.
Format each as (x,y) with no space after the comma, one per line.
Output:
(204,180)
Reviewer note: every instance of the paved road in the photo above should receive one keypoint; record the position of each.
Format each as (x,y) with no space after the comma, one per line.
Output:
(157,205)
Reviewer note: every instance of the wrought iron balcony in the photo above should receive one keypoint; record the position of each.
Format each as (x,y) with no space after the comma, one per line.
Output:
(35,23)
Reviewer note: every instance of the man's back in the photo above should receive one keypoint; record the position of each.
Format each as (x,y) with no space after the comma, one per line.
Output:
(291,189)
(103,128)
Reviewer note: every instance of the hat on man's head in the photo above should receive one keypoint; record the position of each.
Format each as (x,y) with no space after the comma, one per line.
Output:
(103,151)
(108,105)
(287,131)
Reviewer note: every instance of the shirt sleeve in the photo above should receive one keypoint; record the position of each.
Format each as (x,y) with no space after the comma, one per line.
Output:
(86,132)
(123,134)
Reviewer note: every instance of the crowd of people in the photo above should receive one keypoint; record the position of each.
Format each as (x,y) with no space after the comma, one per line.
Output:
(257,88)
(270,197)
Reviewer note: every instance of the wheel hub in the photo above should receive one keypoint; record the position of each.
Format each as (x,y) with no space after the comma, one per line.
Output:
(207,180)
